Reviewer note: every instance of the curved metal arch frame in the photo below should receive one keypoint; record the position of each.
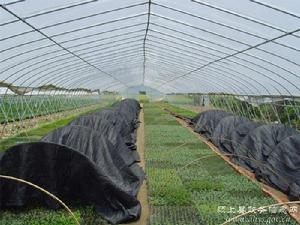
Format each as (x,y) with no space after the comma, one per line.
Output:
(150,10)
(171,57)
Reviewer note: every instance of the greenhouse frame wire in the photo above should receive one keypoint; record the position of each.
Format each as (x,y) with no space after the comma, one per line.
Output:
(41,14)
(173,46)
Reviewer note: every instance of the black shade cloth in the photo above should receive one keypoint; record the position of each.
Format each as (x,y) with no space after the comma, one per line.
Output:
(66,173)
(237,137)
(124,127)
(271,151)
(208,120)
(282,168)
(222,133)
(91,160)
(115,130)
(116,158)
(261,141)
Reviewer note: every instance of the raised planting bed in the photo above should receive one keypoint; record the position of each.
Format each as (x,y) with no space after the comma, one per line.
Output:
(189,184)
(40,215)
(37,133)
(280,195)
(15,108)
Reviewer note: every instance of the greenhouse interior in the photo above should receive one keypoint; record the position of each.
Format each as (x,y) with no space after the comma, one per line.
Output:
(149,112)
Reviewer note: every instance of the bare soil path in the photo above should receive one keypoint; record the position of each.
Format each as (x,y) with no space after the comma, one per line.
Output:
(143,193)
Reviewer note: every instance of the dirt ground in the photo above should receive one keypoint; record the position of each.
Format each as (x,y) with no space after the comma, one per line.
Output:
(143,193)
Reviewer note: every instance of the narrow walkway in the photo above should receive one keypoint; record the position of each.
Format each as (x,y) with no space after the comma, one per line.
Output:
(143,193)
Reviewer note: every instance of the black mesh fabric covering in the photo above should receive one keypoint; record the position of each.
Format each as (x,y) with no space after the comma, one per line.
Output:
(260,142)
(114,128)
(66,173)
(126,128)
(195,119)
(88,162)
(282,170)
(240,152)
(96,122)
(271,151)
(115,158)
(223,132)
(207,121)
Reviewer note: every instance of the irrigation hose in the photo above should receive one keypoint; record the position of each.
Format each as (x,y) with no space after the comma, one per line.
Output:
(43,190)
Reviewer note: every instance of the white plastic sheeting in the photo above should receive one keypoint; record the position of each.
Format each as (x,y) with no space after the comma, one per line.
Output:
(248,47)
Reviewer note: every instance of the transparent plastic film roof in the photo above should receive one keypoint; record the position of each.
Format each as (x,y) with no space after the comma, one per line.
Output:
(242,47)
